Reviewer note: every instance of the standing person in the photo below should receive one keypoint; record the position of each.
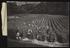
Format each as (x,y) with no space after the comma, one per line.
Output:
(17,35)
(24,34)
(39,34)
(35,33)
(29,33)
(21,35)
(46,34)
(53,38)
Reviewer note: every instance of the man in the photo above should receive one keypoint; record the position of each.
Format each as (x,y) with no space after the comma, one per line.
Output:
(52,37)
(21,35)
(46,34)
(29,34)
(18,35)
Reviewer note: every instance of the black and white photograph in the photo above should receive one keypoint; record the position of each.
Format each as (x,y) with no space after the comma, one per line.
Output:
(37,24)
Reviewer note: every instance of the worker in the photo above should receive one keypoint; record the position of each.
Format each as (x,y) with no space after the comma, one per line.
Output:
(18,35)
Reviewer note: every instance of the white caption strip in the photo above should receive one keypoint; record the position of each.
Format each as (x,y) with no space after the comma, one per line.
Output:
(4,18)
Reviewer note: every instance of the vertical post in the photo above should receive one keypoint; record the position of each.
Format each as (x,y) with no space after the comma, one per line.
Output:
(4,18)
